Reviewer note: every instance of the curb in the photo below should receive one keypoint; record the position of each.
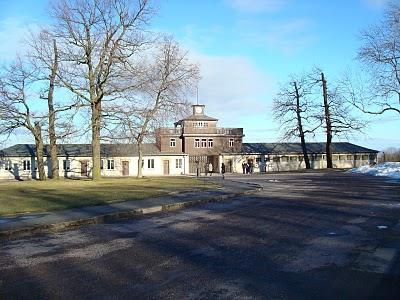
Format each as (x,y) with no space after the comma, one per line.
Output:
(46,228)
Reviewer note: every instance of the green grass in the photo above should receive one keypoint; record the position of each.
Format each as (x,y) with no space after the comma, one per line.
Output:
(39,196)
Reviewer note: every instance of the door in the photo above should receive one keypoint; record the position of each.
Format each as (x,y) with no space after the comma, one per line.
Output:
(84,168)
(166,167)
(125,168)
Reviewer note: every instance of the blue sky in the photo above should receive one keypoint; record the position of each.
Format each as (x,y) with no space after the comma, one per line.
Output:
(245,48)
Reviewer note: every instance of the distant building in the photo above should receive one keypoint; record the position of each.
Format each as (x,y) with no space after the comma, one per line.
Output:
(190,145)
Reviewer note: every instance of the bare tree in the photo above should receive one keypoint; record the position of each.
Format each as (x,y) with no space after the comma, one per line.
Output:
(167,79)
(390,154)
(380,54)
(95,38)
(16,105)
(44,54)
(336,113)
(292,109)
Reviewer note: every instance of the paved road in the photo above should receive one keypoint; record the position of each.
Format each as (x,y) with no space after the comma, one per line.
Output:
(317,235)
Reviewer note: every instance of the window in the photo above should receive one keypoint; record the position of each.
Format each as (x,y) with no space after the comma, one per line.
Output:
(172,142)
(8,165)
(27,165)
(258,160)
(277,159)
(335,157)
(178,163)
(318,157)
(210,143)
(66,164)
(342,157)
(230,142)
(349,157)
(203,143)
(293,158)
(365,157)
(150,163)
(284,159)
(110,164)
(197,143)
(101,164)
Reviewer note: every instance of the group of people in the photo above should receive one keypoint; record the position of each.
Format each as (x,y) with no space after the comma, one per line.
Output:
(247,167)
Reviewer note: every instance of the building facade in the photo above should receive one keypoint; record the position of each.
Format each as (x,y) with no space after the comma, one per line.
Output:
(187,148)
(199,136)
(75,161)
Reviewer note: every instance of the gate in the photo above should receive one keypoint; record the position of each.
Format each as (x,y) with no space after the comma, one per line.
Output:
(198,162)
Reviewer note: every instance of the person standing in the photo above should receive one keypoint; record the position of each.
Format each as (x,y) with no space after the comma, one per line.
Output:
(210,168)
(243,167)
(223,170)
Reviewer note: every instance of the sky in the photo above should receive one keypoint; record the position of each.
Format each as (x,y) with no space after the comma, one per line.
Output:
(245,49)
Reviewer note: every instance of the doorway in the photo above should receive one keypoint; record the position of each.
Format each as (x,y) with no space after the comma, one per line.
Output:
(84,168)
(166,167)
(125,168)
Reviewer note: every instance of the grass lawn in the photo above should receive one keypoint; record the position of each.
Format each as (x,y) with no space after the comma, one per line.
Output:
(39,196)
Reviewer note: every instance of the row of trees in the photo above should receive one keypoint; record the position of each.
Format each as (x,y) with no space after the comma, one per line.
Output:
(307,104)
(98,61)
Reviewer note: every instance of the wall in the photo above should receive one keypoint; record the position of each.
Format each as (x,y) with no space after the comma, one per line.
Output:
(274,163)
(74,170)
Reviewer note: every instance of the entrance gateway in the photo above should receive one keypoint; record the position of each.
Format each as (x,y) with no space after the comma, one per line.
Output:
(201,162)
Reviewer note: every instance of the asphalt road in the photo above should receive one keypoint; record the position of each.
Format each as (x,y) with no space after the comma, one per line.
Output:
(317,235)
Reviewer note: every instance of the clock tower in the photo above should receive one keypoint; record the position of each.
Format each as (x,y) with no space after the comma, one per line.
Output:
(198,109)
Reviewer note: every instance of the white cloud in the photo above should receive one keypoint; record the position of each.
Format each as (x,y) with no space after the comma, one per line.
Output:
(257,6)
(288,37)
(12,33)
(233,88)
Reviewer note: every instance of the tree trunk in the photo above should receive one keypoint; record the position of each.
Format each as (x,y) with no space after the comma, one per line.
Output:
(52,117)
(327,123)
(96,155)
(39,151)
(140,158)
(300,126)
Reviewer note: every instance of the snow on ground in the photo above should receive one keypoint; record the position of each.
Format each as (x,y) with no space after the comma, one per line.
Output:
(389,169)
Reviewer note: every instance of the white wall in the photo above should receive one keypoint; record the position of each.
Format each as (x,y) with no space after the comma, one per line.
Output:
(74,166)
(270,163)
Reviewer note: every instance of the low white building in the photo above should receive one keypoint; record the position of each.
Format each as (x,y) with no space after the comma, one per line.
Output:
(270,157)
(75,160)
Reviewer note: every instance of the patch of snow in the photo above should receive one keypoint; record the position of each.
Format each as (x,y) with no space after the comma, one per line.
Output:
(381,227)
(388,169)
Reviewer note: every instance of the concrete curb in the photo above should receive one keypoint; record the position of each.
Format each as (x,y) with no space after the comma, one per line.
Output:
(126,214)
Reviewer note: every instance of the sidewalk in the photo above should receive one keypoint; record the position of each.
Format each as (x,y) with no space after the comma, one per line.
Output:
(28,224)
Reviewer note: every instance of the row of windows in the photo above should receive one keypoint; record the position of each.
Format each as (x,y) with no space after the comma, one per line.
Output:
(203,143)
(110,164)
(317,158)
(200,124)
(26,165)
